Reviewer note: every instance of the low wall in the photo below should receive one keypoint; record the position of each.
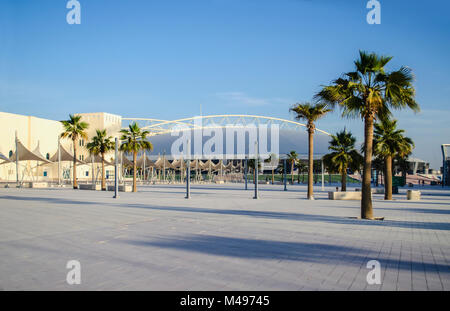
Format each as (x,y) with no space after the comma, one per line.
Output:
(89,187)
(355,195)
(122,188)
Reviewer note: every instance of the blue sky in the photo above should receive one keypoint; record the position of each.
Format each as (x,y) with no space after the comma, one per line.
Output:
(163,59)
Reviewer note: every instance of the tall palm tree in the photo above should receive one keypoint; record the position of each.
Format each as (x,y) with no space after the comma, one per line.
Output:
(100,145)
(292,157)
(388,143)
(134,140)
(369,92)
(343,155)
(311,113)
(74,129)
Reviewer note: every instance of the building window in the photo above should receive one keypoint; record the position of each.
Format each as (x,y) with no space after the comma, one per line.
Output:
(10,153)
(45,173)
(47,156)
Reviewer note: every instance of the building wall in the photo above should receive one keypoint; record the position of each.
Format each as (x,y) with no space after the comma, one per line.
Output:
(32,131)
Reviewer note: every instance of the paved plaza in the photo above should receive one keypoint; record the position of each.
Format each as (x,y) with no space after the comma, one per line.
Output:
(220,239)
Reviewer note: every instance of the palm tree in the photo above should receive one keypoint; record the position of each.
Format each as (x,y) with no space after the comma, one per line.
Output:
(101,144)
(74,129)
(310,113)
(273,160)
(389,142)
(292,157)
(301,168)
(343,155)
(378,166)
(251,164)
(369,92)
(402,164)
(134,140)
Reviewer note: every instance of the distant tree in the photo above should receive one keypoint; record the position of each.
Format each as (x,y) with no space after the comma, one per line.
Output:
(134,140)
(388,143)
(343,156)
(311,113)
(301,168)
(292,158)
(100,145)
(74,129)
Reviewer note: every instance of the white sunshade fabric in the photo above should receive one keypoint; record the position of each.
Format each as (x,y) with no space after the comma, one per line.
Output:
(27,155)
(97,159)
(65,156)
(140,162)
(126,161)
(162,163)
(4,158)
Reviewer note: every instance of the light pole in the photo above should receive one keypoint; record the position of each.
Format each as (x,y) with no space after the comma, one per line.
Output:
(116,169)
(256,171)
(188,170)
(59,160)
(17,161)
(245,173)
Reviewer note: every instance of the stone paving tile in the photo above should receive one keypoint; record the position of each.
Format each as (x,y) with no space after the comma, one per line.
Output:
(221,239)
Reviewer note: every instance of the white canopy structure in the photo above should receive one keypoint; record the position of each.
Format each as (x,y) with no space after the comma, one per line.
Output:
(144,162)
(27,155)
(97,159)
(65,156)
(125,161)
(163,163)
(4,158)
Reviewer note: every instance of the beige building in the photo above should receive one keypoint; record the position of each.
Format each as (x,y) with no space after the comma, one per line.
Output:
(40,136)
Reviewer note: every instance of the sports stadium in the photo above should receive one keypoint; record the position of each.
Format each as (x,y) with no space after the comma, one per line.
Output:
(43,158)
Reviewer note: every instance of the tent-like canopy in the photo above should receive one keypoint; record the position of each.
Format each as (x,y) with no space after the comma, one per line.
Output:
(4,158)
(126,161)
(140,161)
(162,163)
(208,164)
(97,159)
(178,164)
(27,155)
(65,156)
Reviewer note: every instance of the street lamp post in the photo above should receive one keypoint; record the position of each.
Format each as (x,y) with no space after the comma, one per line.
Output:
(116,169)
(188,170)
(256,171)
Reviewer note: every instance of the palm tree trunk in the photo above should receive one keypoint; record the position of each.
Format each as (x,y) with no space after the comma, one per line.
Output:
(134,171)
(310,164)
(292,172)
(273,177)
(103,172)
(344,180)
(366,202)
(75,182)
(388,179)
